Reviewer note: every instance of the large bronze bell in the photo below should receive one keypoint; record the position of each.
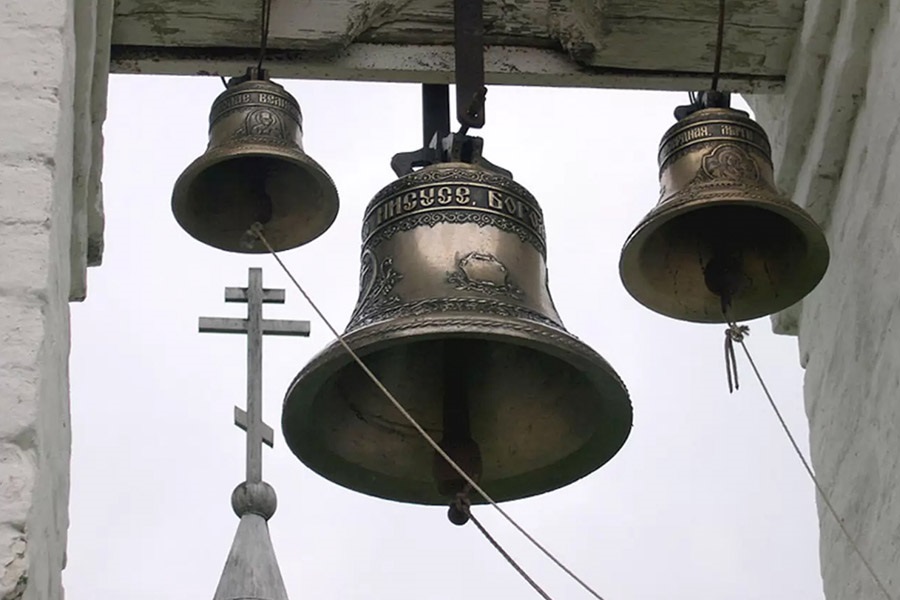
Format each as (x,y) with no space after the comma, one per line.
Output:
(255,170)
(455,317)
(721,239)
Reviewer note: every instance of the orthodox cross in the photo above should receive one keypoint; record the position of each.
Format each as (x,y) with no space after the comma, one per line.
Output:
(250,420)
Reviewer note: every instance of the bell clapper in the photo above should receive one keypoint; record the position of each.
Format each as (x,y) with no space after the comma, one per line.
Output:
(724,277)
(458,512)
(456,439)
(265,206)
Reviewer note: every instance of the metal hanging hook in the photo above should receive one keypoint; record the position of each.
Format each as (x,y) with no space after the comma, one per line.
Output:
(439,144)
(468,18)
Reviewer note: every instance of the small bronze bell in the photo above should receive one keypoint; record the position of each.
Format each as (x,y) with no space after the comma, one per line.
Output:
(255,170)
(721,239)
(455,318)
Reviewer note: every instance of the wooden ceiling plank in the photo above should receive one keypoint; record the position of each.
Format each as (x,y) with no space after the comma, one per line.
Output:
(178,23)
(424,64)
(641,43)
(634,43)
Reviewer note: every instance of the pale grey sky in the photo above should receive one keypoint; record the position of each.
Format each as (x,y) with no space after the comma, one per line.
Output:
(706,501)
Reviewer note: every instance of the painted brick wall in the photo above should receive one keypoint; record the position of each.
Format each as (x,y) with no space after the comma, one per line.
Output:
(37,42)
(836,134)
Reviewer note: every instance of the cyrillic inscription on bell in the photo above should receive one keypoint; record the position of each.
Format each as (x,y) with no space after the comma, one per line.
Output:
(721,239)
(455,317)
(255,170)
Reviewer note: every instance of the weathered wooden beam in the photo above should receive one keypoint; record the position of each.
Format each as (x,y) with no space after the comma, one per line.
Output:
(424,64)
(661,44)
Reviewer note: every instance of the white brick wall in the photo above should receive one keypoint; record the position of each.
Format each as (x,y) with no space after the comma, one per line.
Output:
(836,133)
(37,75)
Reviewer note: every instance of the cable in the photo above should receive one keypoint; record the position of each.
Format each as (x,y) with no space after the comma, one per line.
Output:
(264,30)
(720,36)
(812,475)
(509,558)
(256,229)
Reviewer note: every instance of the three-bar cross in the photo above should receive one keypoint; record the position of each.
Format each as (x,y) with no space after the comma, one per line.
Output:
(255,327)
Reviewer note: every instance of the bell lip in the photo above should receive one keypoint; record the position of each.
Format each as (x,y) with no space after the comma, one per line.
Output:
(817,252)
(225,152)
(617,407)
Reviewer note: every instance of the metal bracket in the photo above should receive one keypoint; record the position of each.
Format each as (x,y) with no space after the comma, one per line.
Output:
(455,147)
(706,99)
(252,74)
(439,144)
(468,19)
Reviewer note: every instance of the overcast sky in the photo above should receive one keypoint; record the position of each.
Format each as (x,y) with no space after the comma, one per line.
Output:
(706,500)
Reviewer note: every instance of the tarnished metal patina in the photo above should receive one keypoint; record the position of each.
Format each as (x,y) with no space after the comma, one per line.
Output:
(456,319)
(721,236)
(255,170)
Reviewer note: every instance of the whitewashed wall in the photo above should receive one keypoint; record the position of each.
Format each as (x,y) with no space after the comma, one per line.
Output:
(49,187)
(836,133)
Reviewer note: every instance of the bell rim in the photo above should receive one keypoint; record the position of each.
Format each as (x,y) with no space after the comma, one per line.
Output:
(611,391)
(223,153)
(818,253)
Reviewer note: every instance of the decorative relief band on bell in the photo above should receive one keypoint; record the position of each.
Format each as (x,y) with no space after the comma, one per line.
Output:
(682,138)
(480,306)
(454,202)
(271,101)
(482,219)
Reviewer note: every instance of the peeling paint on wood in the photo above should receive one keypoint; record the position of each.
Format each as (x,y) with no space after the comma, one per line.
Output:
(424,64)
(664,42)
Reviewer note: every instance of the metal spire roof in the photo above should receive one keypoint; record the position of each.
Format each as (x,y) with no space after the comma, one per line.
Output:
(251,570)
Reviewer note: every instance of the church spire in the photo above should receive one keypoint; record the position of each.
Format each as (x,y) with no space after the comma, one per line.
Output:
(251,570)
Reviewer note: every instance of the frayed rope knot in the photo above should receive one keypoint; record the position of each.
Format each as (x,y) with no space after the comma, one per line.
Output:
(734,334)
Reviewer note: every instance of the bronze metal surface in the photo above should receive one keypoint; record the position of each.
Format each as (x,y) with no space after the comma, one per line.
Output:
(721,233)
(455,317)
(255,170)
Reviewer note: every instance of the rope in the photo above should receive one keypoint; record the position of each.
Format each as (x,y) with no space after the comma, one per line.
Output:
(734,333)
(509,558)
(256,229)
(739,338)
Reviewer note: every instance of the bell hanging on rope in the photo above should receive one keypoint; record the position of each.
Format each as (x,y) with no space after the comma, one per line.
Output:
(454,316)
(255,170)
(721,239)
